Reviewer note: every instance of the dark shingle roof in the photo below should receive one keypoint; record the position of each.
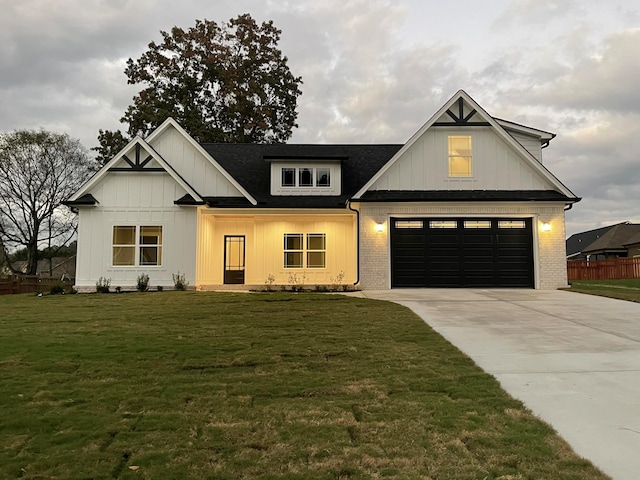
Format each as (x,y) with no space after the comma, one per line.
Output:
(615,239)
(462,195)
(249,165)
(577,242)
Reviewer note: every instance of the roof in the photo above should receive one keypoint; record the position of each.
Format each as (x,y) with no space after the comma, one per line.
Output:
(249,165)
(463,195)
(614,239)
(579,241)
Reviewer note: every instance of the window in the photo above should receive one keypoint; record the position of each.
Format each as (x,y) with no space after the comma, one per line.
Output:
(305,177)
(460,156)
(409,224)
(443,224)
(137,245)
(298,254)
(477,224)
(288,177)
(323,177)
(511,224)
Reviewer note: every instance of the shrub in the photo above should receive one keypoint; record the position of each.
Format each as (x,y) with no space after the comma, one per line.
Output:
(179,281)
(160,288)
(57,290)
(103,284)
(142,284)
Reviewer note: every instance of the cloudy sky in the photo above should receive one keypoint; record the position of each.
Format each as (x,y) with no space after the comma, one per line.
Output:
(373,71)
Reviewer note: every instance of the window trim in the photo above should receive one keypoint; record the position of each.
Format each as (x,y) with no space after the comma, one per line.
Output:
(138,246)
(305,250)
(299,171)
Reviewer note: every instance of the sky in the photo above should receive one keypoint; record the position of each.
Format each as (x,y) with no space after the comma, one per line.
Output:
(374,71)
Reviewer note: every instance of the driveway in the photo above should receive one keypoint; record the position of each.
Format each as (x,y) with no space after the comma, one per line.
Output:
(573,359)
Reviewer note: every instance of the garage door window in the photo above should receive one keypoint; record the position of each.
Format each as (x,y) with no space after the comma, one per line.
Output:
(409,224)
(443,224)
(477,224)
(511,224)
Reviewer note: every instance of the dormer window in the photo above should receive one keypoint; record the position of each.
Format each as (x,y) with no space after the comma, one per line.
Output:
(320,177)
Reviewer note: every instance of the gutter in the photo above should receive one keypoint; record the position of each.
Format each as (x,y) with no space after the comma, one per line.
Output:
(357,242)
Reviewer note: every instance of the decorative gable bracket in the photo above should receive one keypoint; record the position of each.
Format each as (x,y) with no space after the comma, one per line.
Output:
(460,119)
(137,165)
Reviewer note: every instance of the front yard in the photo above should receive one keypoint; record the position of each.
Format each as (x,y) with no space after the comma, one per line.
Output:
(621,289)
(276,386)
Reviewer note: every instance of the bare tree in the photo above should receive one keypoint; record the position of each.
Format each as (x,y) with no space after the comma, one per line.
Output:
(38,171)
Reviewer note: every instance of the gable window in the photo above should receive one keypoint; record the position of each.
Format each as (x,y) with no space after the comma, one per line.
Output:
(134,245)
(460,156)
(305,251)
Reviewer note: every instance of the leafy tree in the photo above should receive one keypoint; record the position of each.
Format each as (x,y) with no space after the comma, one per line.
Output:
(222,83)
(38,170)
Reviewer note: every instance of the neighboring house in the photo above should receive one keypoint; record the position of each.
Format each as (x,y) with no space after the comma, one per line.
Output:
(63,268)
(466,202)
(619,241)
(577,242)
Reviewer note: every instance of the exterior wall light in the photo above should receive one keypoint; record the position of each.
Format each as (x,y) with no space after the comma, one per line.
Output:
(545,227)
(380,227)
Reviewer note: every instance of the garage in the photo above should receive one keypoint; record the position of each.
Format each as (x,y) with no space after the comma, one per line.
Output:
(461,252)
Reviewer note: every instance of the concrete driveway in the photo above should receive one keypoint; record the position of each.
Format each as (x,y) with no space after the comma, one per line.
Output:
(573,359)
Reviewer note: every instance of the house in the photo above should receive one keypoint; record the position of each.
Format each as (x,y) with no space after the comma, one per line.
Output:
(63,268)
(577,242)
(465,202)
(619,241)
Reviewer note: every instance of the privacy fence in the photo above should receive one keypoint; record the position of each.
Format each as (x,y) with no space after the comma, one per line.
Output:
(13,284)
(613,269)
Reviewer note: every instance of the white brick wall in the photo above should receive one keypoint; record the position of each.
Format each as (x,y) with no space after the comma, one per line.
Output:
(550,269)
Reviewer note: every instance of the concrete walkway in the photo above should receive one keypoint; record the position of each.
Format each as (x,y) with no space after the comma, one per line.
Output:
(573,359)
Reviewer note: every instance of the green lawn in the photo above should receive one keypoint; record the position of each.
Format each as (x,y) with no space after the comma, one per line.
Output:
(185,385)
(621,289)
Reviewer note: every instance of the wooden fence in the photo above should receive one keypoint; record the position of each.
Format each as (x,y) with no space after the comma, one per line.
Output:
(613,269)
(13,284)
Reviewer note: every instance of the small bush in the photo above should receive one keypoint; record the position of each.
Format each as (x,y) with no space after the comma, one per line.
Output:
(57,290)
(160,288)
(118,289)
(103,284)
(142,284)
(179,281)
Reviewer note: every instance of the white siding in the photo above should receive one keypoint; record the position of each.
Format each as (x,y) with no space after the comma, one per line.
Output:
(531,144)
(192,166)
(135,199)
(496,165)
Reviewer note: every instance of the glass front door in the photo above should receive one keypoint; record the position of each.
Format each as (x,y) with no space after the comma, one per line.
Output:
(234,255)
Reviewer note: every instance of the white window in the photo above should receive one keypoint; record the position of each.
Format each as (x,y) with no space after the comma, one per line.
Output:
(135,245)
(301,254)
(460,156)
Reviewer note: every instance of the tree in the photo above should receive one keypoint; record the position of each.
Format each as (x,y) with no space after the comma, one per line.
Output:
(222,83)
(38,171)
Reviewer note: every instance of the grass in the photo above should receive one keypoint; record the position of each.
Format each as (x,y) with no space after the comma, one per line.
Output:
(235,386)
(621,289)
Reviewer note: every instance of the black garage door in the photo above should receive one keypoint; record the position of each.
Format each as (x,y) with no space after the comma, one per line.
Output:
(461,252)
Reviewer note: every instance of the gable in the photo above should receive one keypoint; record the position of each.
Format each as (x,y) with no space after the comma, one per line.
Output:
(496,166)
(497,160)
(193,164)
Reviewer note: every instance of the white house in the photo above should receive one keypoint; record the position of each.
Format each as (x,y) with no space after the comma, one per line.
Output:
(466,202)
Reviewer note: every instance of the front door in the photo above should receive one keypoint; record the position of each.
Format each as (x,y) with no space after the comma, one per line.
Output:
(234,254)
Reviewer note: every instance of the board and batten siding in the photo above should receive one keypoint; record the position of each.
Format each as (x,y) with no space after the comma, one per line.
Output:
(135,199)
(531,144)
(193,166)
(495,165)
(264,237)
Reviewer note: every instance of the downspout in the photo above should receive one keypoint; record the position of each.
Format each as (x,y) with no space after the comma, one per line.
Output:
(357,242)
(568,207)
